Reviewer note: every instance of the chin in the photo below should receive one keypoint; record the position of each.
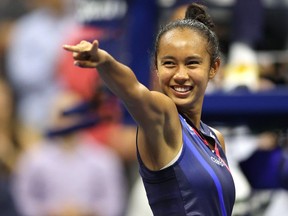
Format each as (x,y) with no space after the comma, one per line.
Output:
(182,102)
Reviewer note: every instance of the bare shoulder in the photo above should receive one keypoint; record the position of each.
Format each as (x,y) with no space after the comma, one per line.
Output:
(160,139)
(220,137)
(149,108)
(162,113)
(160,104)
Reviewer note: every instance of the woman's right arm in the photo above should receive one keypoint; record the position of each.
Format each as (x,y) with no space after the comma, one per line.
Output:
(144,105)
(154,112)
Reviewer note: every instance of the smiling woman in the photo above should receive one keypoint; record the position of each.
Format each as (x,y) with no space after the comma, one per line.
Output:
(181,63)
(181,159)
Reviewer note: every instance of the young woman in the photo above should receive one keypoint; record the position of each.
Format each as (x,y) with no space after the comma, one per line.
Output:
(181,159)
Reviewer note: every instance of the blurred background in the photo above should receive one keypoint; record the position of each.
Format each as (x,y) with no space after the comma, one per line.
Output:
(67,145)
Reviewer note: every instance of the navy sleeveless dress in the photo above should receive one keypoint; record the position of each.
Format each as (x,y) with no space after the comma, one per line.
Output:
(198,183)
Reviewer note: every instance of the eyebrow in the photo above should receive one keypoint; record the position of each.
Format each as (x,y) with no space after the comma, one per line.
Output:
(194,58)
(167,57)
(187,58)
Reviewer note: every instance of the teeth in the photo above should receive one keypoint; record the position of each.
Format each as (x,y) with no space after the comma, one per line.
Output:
(182,88)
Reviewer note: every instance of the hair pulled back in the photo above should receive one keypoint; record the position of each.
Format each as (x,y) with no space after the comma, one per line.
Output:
(196,18)
(198,12)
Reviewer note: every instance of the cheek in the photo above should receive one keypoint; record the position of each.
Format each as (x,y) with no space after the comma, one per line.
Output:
(198,76)
(164,77)
(200,79)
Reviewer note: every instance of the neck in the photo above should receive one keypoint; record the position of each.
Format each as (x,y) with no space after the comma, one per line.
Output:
(192,117)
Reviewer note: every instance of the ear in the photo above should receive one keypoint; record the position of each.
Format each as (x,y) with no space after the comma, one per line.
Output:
(214,68)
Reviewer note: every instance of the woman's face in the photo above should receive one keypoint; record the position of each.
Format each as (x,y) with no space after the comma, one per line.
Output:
(183,67)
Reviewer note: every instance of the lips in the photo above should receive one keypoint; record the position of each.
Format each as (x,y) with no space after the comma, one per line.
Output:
(182,89)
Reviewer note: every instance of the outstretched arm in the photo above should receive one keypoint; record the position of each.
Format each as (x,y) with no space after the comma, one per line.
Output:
(155,113)
(119,78)
(148,108)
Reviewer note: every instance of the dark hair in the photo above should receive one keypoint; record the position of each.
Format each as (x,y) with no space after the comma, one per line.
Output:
(196,18)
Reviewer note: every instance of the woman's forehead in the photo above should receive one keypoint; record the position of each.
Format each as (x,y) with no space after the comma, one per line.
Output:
(183,39)
(182,32)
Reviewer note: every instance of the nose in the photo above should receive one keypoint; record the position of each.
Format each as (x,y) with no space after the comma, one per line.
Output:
(181,75)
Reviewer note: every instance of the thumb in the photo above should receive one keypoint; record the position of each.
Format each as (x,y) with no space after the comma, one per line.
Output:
(95,46)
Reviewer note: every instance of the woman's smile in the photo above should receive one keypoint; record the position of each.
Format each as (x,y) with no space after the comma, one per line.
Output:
(181,90)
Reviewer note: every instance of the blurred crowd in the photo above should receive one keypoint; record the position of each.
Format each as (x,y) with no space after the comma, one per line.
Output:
(67,145)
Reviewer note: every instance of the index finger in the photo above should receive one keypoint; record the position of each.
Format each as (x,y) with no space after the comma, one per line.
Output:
(71,48)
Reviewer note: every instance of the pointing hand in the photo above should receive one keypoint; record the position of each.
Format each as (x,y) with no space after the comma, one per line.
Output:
(86,54)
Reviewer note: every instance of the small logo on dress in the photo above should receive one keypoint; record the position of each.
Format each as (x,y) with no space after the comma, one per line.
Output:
(217,161)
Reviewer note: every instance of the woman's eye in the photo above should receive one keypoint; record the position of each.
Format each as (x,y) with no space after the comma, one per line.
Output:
(192,62)
(168,63)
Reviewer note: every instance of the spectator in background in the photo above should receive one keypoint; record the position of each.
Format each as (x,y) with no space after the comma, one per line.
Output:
(69,173)
(31,62)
